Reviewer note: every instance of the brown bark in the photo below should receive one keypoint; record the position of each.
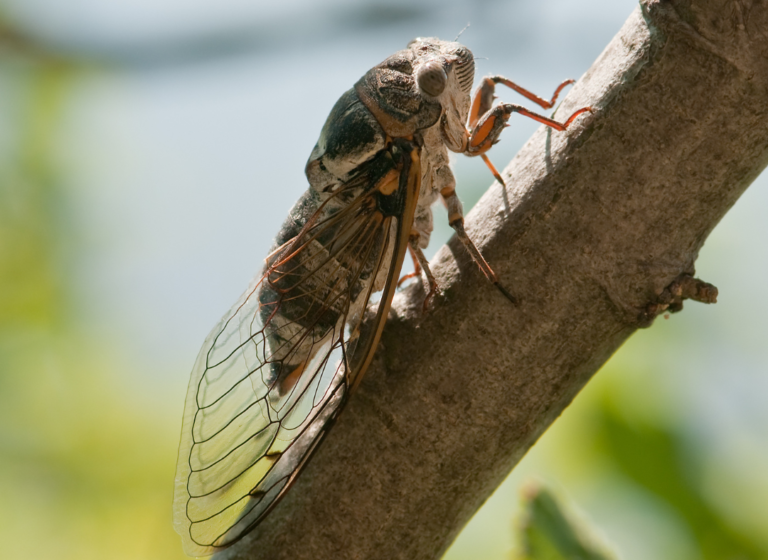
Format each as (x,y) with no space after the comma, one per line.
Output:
(595,235)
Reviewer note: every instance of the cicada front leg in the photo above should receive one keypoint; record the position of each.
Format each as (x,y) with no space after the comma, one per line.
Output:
(486,122)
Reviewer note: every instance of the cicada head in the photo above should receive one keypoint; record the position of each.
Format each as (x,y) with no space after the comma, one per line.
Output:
(444,71)
(442,65)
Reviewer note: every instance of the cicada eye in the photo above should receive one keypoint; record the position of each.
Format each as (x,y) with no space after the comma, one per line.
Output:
(465,67)
(431,78)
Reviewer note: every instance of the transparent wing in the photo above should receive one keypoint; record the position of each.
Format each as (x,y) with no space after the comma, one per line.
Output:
(274,373)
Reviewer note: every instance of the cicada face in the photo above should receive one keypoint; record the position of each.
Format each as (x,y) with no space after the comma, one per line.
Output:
(455,59)
(444,71)
(273,375)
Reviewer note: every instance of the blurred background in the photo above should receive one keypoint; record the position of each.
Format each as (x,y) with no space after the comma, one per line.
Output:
(149,151)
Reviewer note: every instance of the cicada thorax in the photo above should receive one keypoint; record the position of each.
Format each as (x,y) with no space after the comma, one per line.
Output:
(389,91)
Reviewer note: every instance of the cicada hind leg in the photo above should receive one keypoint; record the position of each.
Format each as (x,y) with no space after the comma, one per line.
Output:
(420,265)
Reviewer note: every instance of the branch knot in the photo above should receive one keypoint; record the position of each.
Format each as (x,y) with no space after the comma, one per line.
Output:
(671,298)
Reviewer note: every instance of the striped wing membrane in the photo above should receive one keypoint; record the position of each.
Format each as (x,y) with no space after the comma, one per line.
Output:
(275,371)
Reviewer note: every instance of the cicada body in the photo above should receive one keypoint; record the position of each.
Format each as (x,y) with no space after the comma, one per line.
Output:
(277,369)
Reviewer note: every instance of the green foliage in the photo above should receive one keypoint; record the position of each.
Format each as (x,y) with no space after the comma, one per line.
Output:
(85,472)
(547,532)
(31,275)
(653,457)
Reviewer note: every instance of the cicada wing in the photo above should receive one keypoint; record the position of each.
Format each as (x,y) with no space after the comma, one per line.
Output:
(276,370)
(241,437)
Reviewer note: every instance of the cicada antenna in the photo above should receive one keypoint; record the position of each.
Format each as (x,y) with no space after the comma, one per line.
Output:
(460,32)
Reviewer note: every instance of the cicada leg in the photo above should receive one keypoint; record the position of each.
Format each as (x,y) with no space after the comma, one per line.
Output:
(421,262)
(484,96)
(456,221)
(416,268)
(486,122)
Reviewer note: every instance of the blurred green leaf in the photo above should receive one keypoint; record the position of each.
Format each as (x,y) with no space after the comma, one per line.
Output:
(31,277)
(654,457)
(547,532)
(84,470)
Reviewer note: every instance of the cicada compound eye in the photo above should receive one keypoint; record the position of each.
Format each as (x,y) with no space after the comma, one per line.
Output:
(465,67)
(431,78)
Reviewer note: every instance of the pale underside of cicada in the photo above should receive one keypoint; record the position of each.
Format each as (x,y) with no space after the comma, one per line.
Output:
(273,375)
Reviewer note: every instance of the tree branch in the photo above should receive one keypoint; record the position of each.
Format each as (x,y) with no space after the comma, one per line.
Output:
(597,232)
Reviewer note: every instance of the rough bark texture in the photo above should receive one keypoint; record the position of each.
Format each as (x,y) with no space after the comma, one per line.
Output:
(595,225)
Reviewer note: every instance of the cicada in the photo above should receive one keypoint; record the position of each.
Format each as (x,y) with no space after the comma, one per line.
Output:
(275,372)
